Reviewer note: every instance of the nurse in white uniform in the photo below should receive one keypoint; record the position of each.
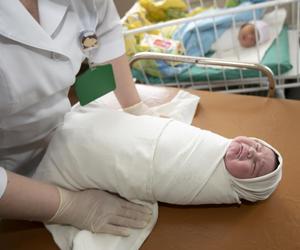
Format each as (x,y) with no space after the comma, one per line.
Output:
(40,57)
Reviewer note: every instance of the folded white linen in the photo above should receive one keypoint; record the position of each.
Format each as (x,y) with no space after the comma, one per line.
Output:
(181,108)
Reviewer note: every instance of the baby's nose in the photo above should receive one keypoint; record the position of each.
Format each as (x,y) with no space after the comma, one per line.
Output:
(251,153)
(251,37)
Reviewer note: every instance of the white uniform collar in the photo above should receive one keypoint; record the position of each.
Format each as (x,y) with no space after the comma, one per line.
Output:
(22,28)
(51,14)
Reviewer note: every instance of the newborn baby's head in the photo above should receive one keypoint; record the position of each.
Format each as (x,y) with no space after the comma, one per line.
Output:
(248,158)
(247,37)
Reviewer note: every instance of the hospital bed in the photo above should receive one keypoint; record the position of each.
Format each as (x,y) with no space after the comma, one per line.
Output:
(281,54)
(271,224)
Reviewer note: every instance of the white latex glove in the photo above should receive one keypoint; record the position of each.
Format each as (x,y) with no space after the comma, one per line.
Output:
(100,212)
(140,109)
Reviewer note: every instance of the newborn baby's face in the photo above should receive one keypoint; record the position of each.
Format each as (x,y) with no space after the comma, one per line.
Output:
(247,36)
(247,158)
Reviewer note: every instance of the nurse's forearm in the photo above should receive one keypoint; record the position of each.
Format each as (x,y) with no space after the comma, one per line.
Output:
(28,199)
(126,91)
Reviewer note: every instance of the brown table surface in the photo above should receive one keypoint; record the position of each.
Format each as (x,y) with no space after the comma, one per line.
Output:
(273,224)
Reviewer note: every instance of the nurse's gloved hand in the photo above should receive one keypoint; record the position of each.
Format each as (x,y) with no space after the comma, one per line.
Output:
(100,212)
(140,109)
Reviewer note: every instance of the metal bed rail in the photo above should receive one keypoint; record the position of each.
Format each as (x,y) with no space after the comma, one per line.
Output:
(269,76)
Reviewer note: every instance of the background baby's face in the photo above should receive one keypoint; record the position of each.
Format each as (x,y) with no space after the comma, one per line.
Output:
(247,36)
(247,158)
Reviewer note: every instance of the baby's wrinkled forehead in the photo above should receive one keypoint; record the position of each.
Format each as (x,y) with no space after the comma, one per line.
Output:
(270,155)
(246,140)
(266,148)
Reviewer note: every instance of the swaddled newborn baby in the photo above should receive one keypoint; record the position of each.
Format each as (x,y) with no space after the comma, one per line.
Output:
(157,159)
(223,170)
(148,159)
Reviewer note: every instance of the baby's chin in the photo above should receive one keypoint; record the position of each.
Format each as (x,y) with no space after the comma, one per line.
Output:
(246,45)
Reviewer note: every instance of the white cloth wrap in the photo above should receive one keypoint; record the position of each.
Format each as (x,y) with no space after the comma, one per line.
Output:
(139,157)
(109,150)
(144,159)
(104,149)
(189,167)
(115,151)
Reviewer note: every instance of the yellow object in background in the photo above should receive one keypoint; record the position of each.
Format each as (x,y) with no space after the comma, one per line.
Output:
(196,11)
(130,45)
(136,18)
(164,9)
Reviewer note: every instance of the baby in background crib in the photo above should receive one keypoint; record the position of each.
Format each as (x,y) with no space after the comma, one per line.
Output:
(247,36)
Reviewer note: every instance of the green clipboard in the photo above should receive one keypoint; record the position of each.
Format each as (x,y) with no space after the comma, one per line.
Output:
(94,82)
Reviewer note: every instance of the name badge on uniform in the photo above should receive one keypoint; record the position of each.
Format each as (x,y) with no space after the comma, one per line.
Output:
(88,40)
(95,82)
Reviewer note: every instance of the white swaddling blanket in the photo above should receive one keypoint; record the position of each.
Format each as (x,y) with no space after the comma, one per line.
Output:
(144,159)
(227,47)
(182,107)
(123,153)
